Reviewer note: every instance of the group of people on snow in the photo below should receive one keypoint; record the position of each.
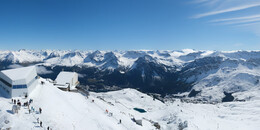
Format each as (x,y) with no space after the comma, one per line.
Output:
(31,109)
(16,106)
(17,102)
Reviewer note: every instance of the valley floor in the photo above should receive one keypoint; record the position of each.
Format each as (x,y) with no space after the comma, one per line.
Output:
(69,110)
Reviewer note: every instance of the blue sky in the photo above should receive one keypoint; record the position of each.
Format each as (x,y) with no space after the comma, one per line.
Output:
(130,24)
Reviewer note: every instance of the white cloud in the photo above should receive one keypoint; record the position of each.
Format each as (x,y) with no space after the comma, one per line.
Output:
(250,24)
(81,75)
(241,14)
(255,27)
(231,9)
(251,27)
(236,18)
(43,70)
(14,66)
(206,2)
(243,21)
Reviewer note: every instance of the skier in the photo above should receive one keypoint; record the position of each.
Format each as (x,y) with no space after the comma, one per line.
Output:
(133,119)
(40,110)
(15,109)
(37,120)
(19,103)
(32,108)
(48,128)
(14,101)
(30,101)
(26,103)
(120,121)
(41,123)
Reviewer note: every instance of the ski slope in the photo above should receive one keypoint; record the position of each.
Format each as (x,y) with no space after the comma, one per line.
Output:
(71,110)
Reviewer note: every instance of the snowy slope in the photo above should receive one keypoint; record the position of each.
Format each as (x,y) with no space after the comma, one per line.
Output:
(70,110)
(231,76)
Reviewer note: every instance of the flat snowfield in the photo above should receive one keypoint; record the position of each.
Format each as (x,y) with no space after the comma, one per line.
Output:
(70,110)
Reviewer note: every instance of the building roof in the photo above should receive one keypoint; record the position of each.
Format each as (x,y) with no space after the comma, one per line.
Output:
(18,73)
(64,77)
(62,86)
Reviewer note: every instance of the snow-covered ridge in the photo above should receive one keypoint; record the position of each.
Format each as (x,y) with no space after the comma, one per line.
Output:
(117,58)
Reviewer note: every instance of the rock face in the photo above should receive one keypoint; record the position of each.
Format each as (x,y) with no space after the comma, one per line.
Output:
(211,73)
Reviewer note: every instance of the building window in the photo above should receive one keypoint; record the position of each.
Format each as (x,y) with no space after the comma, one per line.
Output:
(19,86)
(5,82)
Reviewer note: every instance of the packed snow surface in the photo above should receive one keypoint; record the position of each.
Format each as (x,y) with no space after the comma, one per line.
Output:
(102,111)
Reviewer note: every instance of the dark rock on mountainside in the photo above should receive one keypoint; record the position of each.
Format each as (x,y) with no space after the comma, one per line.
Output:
(228,97)
(193,93)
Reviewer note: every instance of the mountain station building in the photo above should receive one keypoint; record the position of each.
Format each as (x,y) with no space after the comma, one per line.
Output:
(66,80)
(19,82)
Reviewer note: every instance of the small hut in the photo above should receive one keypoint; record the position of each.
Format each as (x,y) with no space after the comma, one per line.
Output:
(67,81)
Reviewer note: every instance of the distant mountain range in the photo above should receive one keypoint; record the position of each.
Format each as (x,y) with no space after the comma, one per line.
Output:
(202,75)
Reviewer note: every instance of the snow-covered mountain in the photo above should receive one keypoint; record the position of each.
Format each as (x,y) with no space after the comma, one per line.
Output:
(209,73)
(116,59)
